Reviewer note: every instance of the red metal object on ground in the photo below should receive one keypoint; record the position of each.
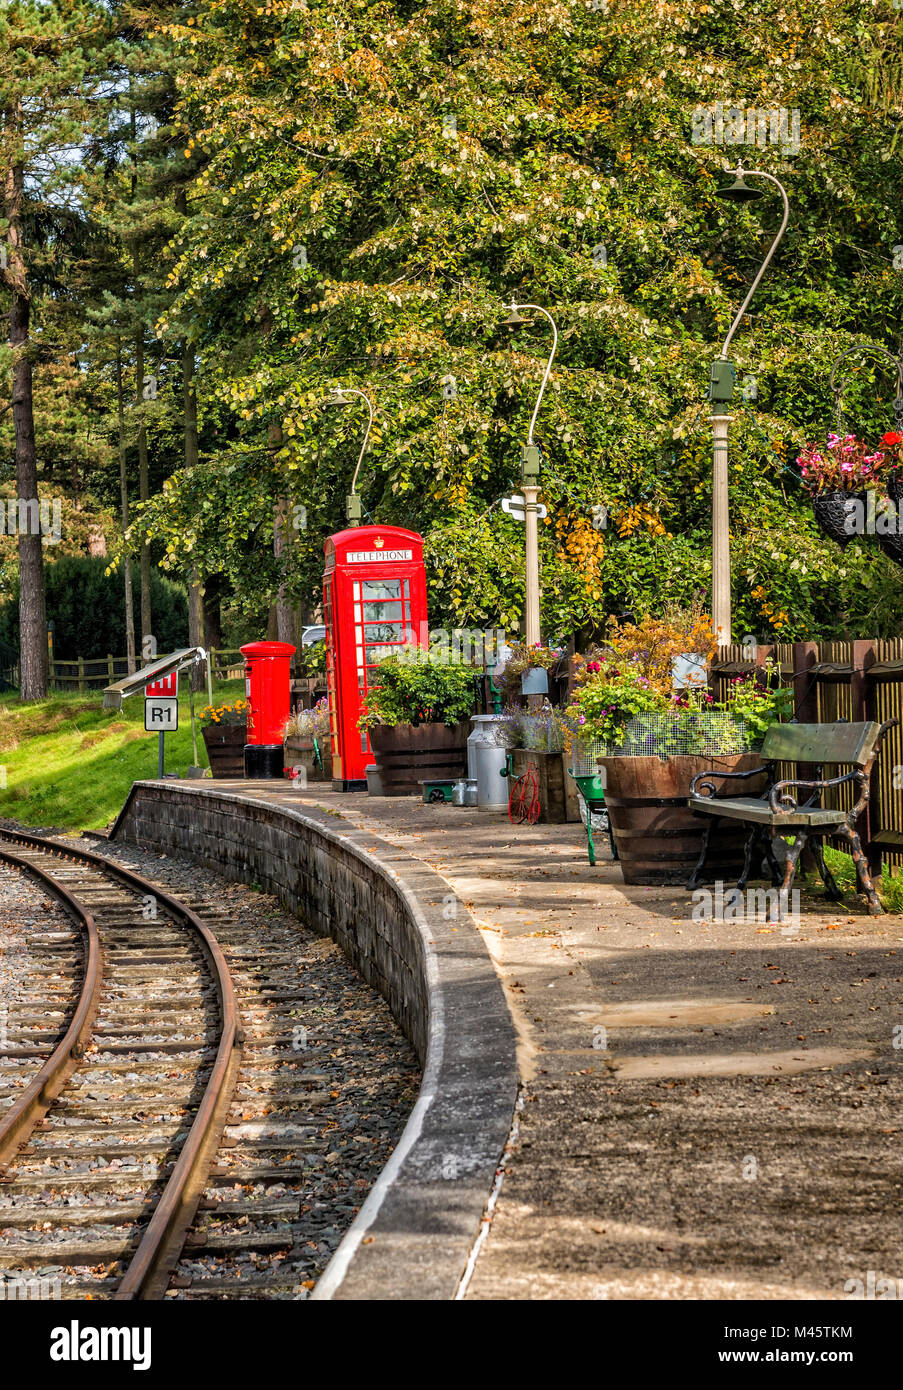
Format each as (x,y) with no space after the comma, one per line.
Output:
(374,603)
(269,705)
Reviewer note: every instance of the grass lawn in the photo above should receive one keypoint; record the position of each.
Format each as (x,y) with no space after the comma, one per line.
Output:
(68,763)
(890,889)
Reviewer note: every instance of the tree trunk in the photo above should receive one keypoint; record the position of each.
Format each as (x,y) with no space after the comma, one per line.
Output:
(32,615)
(148,649)
(213,621)
(195,592)
(196,627)
(124,493)
(282,538)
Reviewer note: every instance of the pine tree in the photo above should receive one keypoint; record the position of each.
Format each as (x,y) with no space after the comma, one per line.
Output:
(55,57)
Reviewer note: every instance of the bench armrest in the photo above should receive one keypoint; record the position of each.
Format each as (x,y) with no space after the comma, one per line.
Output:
(781,800)
(698,781)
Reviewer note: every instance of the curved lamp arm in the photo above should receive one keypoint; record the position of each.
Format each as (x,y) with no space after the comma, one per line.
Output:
(540,310)
(341,392)
(760,173)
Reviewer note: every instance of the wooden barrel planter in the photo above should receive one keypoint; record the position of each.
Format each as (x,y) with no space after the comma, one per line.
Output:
(408,754)
(659,839)
(299,752)
(225,744)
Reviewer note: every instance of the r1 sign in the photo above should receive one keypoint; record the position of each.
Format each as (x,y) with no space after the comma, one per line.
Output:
(161,714)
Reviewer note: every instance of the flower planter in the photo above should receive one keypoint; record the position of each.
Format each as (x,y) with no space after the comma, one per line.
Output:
(408,754)
(225,744)
(658,837)
(831,513)
(300,752)
(558,798)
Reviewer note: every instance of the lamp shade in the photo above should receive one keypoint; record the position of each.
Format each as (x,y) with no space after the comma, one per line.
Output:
(514,319)
(738,192)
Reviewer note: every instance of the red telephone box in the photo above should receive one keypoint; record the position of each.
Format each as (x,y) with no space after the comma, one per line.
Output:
(374,601)
(269,704)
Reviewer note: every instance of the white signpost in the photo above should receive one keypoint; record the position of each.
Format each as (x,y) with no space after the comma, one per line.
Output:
(161,710)
(516,507)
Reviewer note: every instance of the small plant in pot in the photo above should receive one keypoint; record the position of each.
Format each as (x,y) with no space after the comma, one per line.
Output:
(534,658)
(308,743)
(418,719)
(224,729)
(837,476)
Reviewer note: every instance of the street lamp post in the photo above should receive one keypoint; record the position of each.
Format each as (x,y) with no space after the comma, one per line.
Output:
(530,463)
(721,391)
(342,396)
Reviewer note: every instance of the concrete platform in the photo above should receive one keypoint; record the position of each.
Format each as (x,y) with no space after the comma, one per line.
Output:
(708,1110)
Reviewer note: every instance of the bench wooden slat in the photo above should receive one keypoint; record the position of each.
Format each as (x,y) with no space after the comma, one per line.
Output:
(753,808)
(821,743)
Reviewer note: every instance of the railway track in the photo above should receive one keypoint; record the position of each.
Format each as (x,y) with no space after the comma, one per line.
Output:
(167,1144)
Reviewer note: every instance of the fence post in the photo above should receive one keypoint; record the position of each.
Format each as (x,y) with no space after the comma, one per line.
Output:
(110,667)
(81,675)
(805,686)
(863,656)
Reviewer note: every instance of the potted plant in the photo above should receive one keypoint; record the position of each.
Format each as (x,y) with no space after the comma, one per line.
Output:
(836,475)
(533,658)
(543,742)
(418,719)
(650,740)
(308,742)
(225,733)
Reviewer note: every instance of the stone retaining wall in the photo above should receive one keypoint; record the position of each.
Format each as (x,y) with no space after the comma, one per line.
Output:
(411,939)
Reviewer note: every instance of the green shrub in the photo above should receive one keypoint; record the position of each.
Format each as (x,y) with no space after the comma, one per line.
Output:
(418,688)
(87,609)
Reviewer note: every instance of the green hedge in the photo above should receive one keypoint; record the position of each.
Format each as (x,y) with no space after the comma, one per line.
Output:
(87,608)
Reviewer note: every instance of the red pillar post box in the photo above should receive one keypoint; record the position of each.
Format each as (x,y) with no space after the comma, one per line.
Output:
(269,705)
(374,602)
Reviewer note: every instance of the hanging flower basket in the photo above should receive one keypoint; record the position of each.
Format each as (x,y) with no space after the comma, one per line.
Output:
(833,514)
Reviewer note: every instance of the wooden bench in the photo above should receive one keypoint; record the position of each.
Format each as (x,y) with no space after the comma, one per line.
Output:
(779,814)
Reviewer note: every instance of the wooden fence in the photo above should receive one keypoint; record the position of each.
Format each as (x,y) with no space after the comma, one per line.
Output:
(844,680)
(93,673)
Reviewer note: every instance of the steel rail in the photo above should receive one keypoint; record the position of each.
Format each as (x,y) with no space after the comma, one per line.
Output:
(151,1266)
(18,1123)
